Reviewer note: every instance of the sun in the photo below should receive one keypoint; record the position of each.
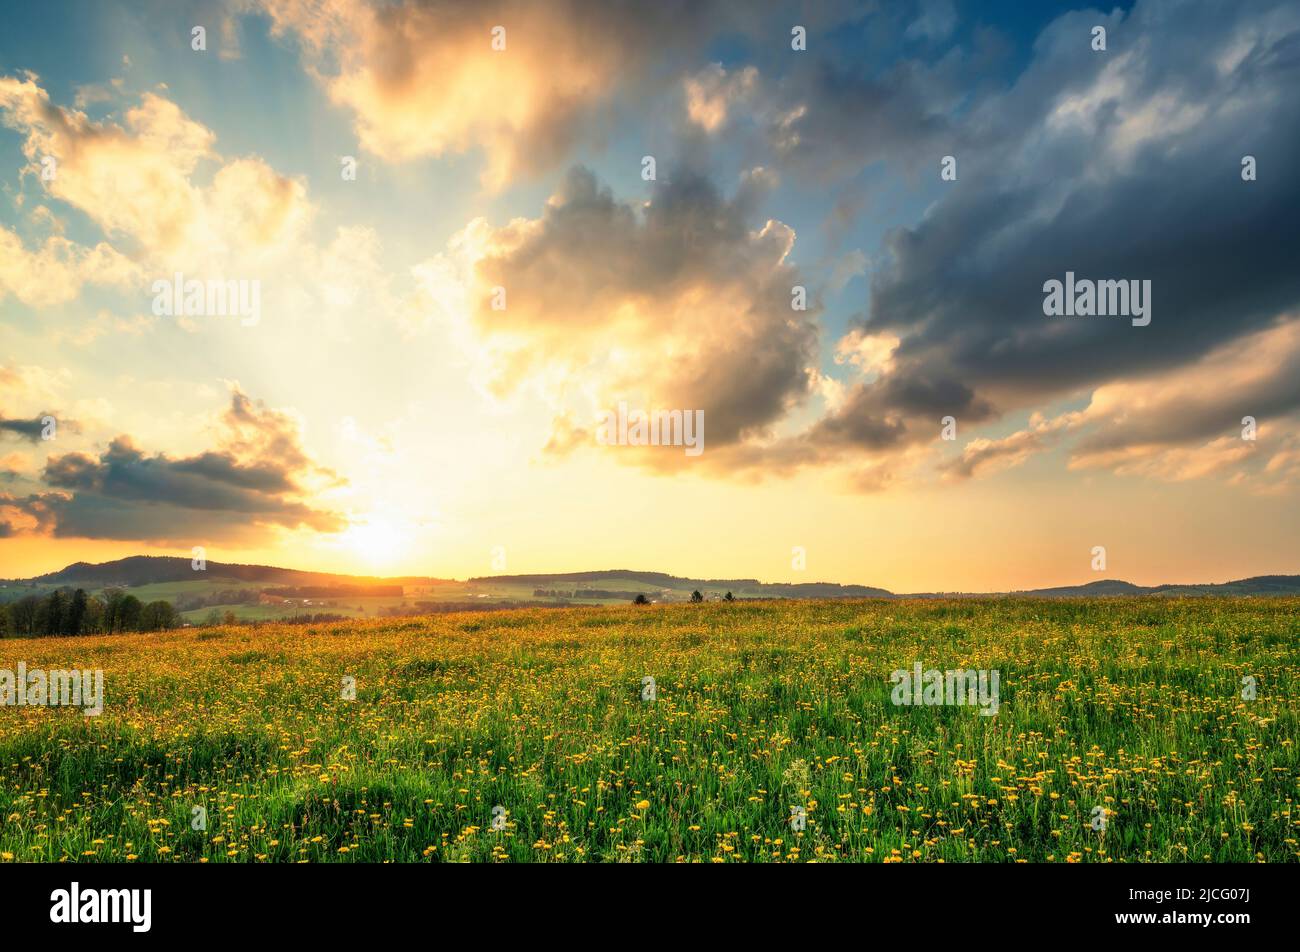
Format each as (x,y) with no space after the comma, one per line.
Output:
(377,542)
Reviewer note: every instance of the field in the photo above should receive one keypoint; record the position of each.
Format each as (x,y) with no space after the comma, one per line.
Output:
(762,710)
(222,592)
(352,606)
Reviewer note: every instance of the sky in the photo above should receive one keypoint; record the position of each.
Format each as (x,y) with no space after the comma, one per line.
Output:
(424,249)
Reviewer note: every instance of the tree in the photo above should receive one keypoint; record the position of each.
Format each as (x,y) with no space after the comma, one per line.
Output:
(51,614)
(22,614)
(157,616)
(94,617)
(122,613)
(6,626)
(696,596)
(641,600)
(130,613)
(729,597)
(112,608)
(77,612)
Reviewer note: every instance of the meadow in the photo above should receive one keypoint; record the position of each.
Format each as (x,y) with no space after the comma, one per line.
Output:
(534,721)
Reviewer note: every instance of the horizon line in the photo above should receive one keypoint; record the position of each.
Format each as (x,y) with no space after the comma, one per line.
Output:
(689,578)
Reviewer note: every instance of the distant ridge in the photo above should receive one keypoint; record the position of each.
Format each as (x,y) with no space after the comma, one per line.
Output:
(1256,585)
(152,569)
(663,580)
(147,569)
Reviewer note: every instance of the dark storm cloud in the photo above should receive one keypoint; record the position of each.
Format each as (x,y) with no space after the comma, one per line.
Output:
(23,429)
(1123,165)
(258,477)
(94,516)
(877,417)
(208,481)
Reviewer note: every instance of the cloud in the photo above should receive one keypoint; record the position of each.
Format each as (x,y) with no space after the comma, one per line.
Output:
(1177,424)
(57,271)
(12,465)
(983,456)
(30,383)
(20,515)
(256,431)
(935,24)
(1120,166)
(145,183)
(136,181)
(682,303)
(105,323)
(24,429)
(29,386)
(1281,474)
(1124,165)
(712,93)
(421,77)
(258,476)
(1257,375)
(133,180)
(834,119)
(966,283)
(871,353)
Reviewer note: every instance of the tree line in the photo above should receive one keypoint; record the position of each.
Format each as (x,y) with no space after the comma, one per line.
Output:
(67,612)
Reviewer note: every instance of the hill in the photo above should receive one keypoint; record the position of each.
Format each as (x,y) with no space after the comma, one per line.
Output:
(267,593)
(748,587)
(154,569)
(1258,585)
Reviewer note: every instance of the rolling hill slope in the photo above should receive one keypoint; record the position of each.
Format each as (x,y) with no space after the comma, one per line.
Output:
(265,592)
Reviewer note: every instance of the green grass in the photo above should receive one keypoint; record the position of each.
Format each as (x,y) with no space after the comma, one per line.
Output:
(1132,705)
(244,613)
